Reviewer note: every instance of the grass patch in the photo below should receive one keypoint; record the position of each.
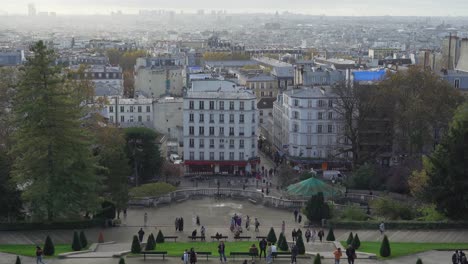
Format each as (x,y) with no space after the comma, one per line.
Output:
(176,249)
(407,248)
(30,250)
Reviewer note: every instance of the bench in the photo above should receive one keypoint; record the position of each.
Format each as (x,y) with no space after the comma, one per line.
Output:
(260,237)
(163,253)
(202,238)
(253,201)
(242,237)
(171,237)
(219,237)
(281,254)
(204,253)
(234,254)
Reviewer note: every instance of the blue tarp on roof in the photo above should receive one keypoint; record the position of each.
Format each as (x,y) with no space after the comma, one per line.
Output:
(369,75)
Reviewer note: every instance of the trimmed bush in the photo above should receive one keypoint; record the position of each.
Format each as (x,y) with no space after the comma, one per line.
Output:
(122,261)
(331,235)
(18,260)
(83,240)
(282,243)
(150,243)
(136,247)
(49,248)
(300,245)
(76,245)
(385,250)
(317,259)
(356,242)
(271,236)
(350,239)
(160,237)
(419,261)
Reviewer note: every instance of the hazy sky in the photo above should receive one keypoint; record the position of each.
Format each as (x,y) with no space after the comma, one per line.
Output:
(327,7)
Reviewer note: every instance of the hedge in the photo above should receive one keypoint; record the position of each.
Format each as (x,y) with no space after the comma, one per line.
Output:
(398,224)
(51,226)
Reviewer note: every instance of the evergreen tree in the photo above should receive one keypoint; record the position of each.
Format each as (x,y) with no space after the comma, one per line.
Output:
(316,209)
(356,243)
(49,248)
(385,250)
(350,239)
(331,235)
(317,259)
(18,260)
(83,240)
(160,237)
(271,236)
(282,243)
(419,261)
(300,245)
(76,245)
(10,196)
(122,261)
(136,247)
(53,157)
(150,243)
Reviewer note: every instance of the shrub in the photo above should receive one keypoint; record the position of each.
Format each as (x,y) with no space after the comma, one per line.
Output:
(18,260)
(300,245)
(83,240)
(49,248)
(331,235)
(122,261)
(160,237)
(152,189)
(350,239)
(282,243)
(316,209)
(317,259)
(353,213)
(76,244)
(363,176)
(429,213)
(150,243)
(271,236)
(356,242)
(419,261)
(393,210)
(385,250)
(136,247)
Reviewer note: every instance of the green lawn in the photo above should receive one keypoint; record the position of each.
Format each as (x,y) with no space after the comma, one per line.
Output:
(30,250)
(408,248)
(176,249)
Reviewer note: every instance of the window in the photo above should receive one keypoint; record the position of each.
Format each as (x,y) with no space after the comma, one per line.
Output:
(202,118)
(253,118)
(241,143)
(330,128)
(131,118)
(320,116)
(111,119)
(319,128)
(253,131)
(201,105)
(122,109)
(221,156)
(148,108)
(319,140)
(309,140)
(309,103)
(241,155)
(457,83)
(221,118)
(211,105)
(253,143)
(231,118)
(139,109)
(211,118)
(262,94)
(190,117)
(221,143)
(231,131)
(261,112)
(310,115)
(212,143)
(201,143)
(241,118)
(231,143)
(202,155)
(309,128)
(295,115)
(296,102)
(241,131)
(191,142)
(212,131)
(131,109)
(212,156)
(330,115)
(191,130)
(262,85)
(252,105)
(241,105)
(270,94)
(231,155)
(320,103)
(192,155)
(231,105)
(221,131)
(191,105)
(295,128)
(201,131)
(111,109)
(330,103)
(295,139)
(140,119)
(221,105)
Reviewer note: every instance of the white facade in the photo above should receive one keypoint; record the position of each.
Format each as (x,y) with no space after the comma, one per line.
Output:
(130,112)
(168,117)
(306,124)
(220,124)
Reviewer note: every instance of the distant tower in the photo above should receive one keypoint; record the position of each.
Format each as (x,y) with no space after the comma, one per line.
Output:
(31,9)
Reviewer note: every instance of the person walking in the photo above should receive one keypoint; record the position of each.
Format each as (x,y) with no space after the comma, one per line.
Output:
(307,235)
(283,227)
(294,252)
(296,212)
(313,235)
(262,245)
(382,228)
(181,224)
(186,257)
(351,254)
(141,233)
(176,224)
(202,233)
(269,256)
(299,219)
(321,234)
(39,254)
(198,220)
(247,223)
(455,257)
(337,255)
(257,224)
(294,234)
(145,219)
(193,256)
(221,250)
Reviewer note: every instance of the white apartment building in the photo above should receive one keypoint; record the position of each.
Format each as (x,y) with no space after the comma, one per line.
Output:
(305,124)
(130,112)
(168,117)
(220,124)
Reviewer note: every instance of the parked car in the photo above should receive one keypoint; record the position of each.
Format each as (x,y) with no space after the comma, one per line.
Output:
(174,158)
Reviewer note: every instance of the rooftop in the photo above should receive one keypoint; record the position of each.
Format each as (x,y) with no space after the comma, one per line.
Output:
(266,103)
(309,92)
(218,89)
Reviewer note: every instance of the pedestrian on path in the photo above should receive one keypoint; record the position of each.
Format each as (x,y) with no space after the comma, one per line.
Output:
(141,233)
(299,219)
(351,254)
(269,257)
(455,257)
(262,245)
(193,256)
(202,233)
(313,235)
(307,235)
(39,254)
(257,224)
(176,224)
(294,252)
(247,223)
(382,228)
(294,234)
(321,234)
(221,250)
(145,219)
(295,215)
(283,227)
(337,255)
(198,220)
(186,257)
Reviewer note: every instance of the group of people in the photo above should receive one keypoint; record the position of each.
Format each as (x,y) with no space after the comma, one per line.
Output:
(202,233)
(297,216)
(189,256)
(179,224)
(459,257)
(312,235)
(350,255)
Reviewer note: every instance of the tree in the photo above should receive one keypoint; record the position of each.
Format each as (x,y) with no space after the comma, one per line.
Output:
(150,243)
(18,260)
(363,177)
(10,196)
(129,83)
(122,261)
(356,243)
(316,209)
(447,169)
(419,261)
(136,247)
(417,181)
(83,240)
(160,237)
(8,86)
(282,243)
(385,250)
(170,172)
(76,245)
(271,236)
(300,245)
(350,239)
(330,235)
(318,259)
(143,153)
(49,248)
(52,151)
